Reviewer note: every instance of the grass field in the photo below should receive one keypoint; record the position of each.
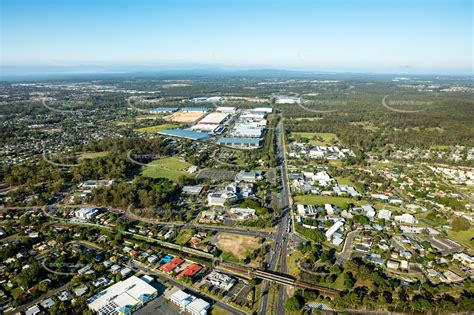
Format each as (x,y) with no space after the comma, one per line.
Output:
(237,245)
(292,263)
(316,138)
(344,181)
(157,128)
(184,236)
(92,155)
(170,168)
(320,200)
(465,238)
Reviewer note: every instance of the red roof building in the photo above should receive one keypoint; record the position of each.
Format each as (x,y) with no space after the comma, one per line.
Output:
(172,264)
(190,271)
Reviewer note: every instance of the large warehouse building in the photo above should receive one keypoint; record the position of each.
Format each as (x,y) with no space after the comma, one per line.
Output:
(124,297)
(186,134)
(214,119)
(244,143)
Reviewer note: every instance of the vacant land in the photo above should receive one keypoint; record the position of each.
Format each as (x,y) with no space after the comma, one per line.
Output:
(157,128)
(171,168)
(237,245)
(184,117)
(316,138)
(320,200)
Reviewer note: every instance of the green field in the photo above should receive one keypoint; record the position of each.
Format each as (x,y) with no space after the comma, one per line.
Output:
(184,236)
(463,237)
(92,155)
(320,200)
(157,128)
(170,168)
(316,138)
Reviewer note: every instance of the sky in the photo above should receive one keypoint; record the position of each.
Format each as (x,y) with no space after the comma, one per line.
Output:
(402,36)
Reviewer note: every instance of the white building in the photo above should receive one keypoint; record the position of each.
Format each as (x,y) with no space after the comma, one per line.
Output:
(242,213)
(123,297)
(333,229)
(464,259)
(220,280)
(405,218)
(189,303)
(385,214)
(86,213)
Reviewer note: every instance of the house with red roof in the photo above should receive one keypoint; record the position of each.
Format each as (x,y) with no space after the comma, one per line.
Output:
(190,271)
(172,264)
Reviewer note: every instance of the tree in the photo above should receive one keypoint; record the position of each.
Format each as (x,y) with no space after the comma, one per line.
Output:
(460,224)
(294,303)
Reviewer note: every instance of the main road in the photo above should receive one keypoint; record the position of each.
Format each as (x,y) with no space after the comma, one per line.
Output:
(279,253)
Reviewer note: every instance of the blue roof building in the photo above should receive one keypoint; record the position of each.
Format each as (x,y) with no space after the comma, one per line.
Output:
(163,110)
(186,134)
(250,143)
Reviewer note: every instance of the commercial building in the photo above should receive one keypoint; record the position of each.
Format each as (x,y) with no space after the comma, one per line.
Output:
(192,190)
(244,143)
(186,134)
(220,280)
(333,229)
(189,303)
(214,119)
(86,213)
(226,109)
(242,213)
(124,297)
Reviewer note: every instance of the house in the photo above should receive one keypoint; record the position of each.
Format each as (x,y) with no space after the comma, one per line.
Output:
(465,259)
(190,271)
(80,291)
(385,214)
(392,264)
(34,310)
(405,218)
(172,264)
(329,209)
(48,303)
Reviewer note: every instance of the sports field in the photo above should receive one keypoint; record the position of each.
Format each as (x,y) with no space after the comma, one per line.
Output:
(237,245)
(320,200)
(153,129)
(184,117)
(171,168)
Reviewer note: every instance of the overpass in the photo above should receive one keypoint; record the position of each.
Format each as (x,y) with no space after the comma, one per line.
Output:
(278,278)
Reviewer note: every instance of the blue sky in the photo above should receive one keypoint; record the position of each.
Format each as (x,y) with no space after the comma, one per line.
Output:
(382,36)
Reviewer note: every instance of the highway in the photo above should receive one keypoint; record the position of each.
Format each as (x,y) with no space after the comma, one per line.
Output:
(279,253)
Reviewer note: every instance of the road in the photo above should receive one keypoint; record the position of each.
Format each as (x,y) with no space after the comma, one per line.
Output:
(279,253)
(346,252)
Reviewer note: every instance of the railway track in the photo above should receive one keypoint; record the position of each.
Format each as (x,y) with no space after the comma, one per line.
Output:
(277,278)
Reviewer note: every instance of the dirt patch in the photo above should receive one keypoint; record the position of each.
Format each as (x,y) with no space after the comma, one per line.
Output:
(184,116)
(237,245)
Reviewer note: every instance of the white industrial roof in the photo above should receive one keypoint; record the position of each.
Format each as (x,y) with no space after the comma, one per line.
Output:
(214,118)
(123,293)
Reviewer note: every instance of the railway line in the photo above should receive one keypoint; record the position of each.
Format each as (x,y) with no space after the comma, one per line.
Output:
(277,278)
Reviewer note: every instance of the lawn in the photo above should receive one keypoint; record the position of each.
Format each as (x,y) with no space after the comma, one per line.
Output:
(92,155)
(184,236)
(465,238)
(237,245)
(292,263)
(157,128)
(320,200)
(316,138)
(344,181)
(171,168)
